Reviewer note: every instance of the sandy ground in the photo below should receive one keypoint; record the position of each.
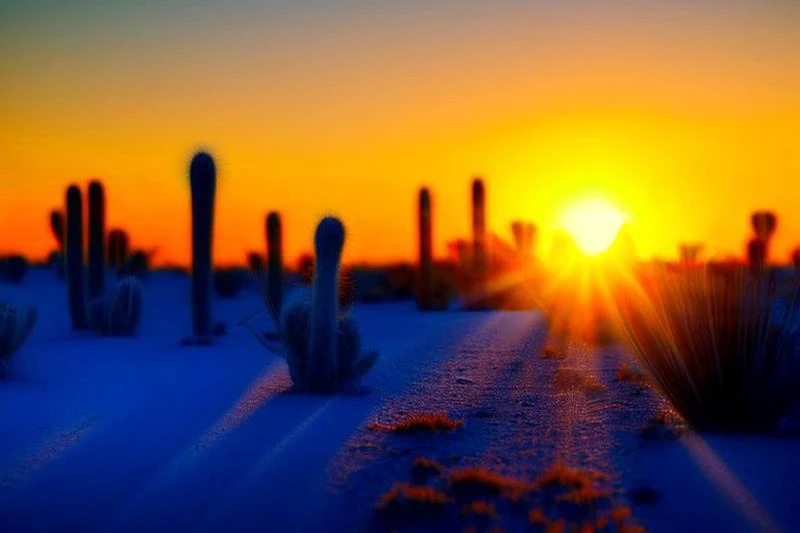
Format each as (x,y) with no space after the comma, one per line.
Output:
(143,434)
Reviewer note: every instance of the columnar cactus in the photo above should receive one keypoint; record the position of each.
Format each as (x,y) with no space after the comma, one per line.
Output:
(763,223)
(275,259)
(323,348)
(202,178)
(328,244)
(58,227)
(118,249)
(119,313)
(425,296)
(479,223)
(97,215)
(76,288)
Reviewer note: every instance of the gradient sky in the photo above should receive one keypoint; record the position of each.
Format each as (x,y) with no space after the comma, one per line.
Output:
(685,114)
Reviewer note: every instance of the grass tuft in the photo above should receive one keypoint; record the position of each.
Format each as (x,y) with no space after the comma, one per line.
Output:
(420,423)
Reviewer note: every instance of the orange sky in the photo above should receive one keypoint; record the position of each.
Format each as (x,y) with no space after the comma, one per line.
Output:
(684,114)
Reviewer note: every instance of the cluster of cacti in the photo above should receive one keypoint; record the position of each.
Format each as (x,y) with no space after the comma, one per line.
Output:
(15,326)
(116,313)
(203,181)
(763,224)
(322,345)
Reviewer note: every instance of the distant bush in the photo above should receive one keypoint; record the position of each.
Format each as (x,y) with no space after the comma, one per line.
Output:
(16,325)
(13,268)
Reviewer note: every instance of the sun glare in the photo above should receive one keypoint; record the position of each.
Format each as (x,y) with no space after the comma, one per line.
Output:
(593,224)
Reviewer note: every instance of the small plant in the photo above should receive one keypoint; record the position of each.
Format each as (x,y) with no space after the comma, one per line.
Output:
(15,326)
(722,344)
(118,314)
(409,503)
(321,343)
(472,483)
(13,268)
(420,423)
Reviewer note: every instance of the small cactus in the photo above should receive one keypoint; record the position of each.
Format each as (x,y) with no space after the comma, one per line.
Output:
(202,178)
(76,287)
(118,314)
(97,215)
(15,326)
(275,260)
(425,295)
(322,347)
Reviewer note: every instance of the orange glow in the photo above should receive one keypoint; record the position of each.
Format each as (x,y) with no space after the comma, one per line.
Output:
(347,111)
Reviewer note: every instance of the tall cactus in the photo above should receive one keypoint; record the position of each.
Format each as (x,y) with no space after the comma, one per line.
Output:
(479,243)
(76,289)
(275,259)
(97,216)
(425,297)
(202,178)
(323,359)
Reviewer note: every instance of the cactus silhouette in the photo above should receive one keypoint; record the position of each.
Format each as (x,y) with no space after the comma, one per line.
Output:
(119,313)
(202,178)
(97,215)
(757,254)
(763,223)
(322,347)
(15,326)
(425,295)
(118,250)
(518,230)
(479,244)
(256,263)
(322,363)
(76,288)
(275,260)
(57,227)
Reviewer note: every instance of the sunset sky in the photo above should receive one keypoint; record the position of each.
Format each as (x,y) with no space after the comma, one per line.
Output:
(683,114)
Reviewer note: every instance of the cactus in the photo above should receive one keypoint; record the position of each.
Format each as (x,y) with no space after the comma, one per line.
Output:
(15,326)
(97,215)
(202,178)
(322,347)
(757,254)
(275,260)
(118,250)
(76,288)
(424,300)
(479,245)
(119,313)
(322,361)
(518,230)
(57,227)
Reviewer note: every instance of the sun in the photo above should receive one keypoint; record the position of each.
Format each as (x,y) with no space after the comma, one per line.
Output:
(593,223)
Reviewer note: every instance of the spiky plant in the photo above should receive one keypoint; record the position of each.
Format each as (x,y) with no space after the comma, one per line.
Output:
(321,343)
(15,326)
(118,313)
(720,342)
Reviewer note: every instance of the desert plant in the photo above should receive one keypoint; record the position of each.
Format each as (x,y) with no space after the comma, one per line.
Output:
(97,260)
(202,178)
(721,344)
(228,282)
(118,245)
(13,268)
(322,345)
(76,272)
(15,326)
(137,264)
(275,259)
(119,313)
(425,291)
